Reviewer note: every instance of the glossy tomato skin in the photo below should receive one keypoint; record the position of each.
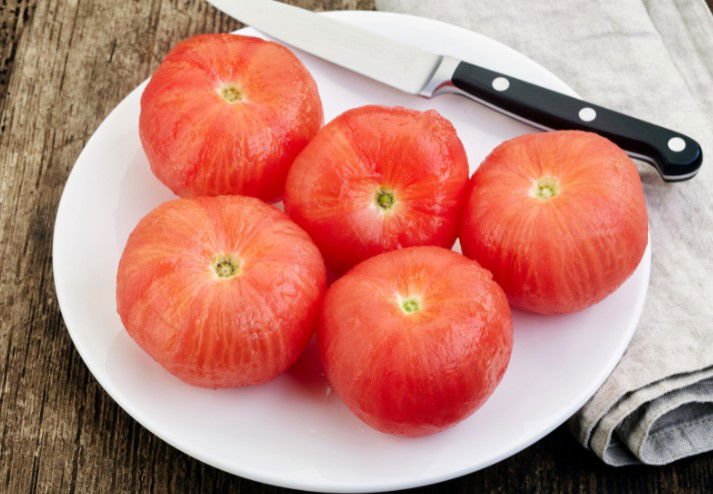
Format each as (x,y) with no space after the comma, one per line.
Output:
(200,143)
(561,253)
(221,291)
(415,373)
(333,187)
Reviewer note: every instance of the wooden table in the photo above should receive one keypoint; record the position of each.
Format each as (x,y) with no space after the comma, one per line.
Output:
(64,64)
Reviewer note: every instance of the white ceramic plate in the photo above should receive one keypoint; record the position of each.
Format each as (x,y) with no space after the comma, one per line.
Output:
(292,431)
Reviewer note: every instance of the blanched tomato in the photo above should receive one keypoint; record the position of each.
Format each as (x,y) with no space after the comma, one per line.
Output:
(377,179)
(416,339)
(227,114)
(559,218)
(221,291)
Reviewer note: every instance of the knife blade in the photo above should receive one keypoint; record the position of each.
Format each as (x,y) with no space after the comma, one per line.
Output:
(413,70)
(404,67)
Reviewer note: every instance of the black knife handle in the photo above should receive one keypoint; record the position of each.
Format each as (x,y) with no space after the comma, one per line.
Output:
(676,156)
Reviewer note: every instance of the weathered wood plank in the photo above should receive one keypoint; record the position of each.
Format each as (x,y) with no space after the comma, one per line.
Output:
(64,64)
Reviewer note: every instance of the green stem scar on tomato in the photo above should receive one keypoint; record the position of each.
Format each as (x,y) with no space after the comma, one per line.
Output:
(410,305)
(545,188)
(226,266)
(231,93)
(385,199)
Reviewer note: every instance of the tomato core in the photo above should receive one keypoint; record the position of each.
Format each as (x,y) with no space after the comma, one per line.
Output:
(385,199)
(545,188)
(226,267)
(231,93)
(410,305)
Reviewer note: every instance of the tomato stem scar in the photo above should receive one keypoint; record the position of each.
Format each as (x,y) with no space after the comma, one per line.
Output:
(231,93)
(226,266)
(545,188)
(385,199)
(409,305)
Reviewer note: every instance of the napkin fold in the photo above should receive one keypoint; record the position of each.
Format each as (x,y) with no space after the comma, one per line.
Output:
(652,59)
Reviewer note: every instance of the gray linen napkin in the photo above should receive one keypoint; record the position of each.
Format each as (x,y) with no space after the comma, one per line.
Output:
(652,59)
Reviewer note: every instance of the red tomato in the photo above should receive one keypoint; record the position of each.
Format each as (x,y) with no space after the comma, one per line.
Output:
(221,291)
(559,218)
(377,179)
(415,340)
(227,114)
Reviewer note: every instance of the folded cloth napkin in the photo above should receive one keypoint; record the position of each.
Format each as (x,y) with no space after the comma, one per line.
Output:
(652,59)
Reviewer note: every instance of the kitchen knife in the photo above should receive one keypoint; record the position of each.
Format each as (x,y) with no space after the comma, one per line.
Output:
(676,156)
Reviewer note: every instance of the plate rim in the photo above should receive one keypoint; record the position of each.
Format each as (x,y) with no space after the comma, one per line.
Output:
(323,485)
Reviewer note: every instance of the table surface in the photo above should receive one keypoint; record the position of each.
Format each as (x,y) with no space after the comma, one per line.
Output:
(64,64)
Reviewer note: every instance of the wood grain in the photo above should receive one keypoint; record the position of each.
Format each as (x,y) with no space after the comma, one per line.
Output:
(64,64)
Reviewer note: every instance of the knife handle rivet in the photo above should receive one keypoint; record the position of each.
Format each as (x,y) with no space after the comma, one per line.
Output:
(587,114)
(676,144)
(500,84)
